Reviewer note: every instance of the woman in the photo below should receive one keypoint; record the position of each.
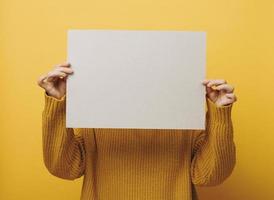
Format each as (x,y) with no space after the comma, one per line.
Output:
(153,164)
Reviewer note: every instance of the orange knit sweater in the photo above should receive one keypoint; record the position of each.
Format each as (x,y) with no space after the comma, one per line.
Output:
(138,164)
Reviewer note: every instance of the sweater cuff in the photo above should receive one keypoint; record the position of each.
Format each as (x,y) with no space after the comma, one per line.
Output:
(53,105)
(221,114)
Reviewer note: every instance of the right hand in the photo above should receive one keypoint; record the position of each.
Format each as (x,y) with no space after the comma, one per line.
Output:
(54,82)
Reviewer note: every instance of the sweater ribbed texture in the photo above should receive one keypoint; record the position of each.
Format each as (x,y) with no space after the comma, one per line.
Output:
(138,164)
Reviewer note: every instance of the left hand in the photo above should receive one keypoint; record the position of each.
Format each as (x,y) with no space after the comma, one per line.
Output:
(220,92)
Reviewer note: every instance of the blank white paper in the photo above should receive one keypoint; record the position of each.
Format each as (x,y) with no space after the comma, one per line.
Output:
(136,79)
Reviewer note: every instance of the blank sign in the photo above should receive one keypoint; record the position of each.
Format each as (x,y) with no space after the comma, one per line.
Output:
(136,79)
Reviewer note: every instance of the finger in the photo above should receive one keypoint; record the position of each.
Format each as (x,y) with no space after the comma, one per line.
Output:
(65,64)
(231,96)
(227,102)
(55,74)
(64,69)
(216,82)
(225,87)
(41,79)
(205,82)
(208,89)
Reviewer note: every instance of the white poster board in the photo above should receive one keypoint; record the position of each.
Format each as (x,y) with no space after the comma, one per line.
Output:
(136,79)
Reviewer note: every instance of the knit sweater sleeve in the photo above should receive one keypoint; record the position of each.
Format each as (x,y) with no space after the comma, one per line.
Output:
(214,149)
(63,149)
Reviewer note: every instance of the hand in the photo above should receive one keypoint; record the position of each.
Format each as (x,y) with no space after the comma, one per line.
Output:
(220,92)
(54,82)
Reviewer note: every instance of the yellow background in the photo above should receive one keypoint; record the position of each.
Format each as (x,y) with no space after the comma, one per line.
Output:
(240,48)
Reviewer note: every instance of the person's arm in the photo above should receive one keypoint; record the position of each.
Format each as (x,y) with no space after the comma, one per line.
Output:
(63,149)
(214,149)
